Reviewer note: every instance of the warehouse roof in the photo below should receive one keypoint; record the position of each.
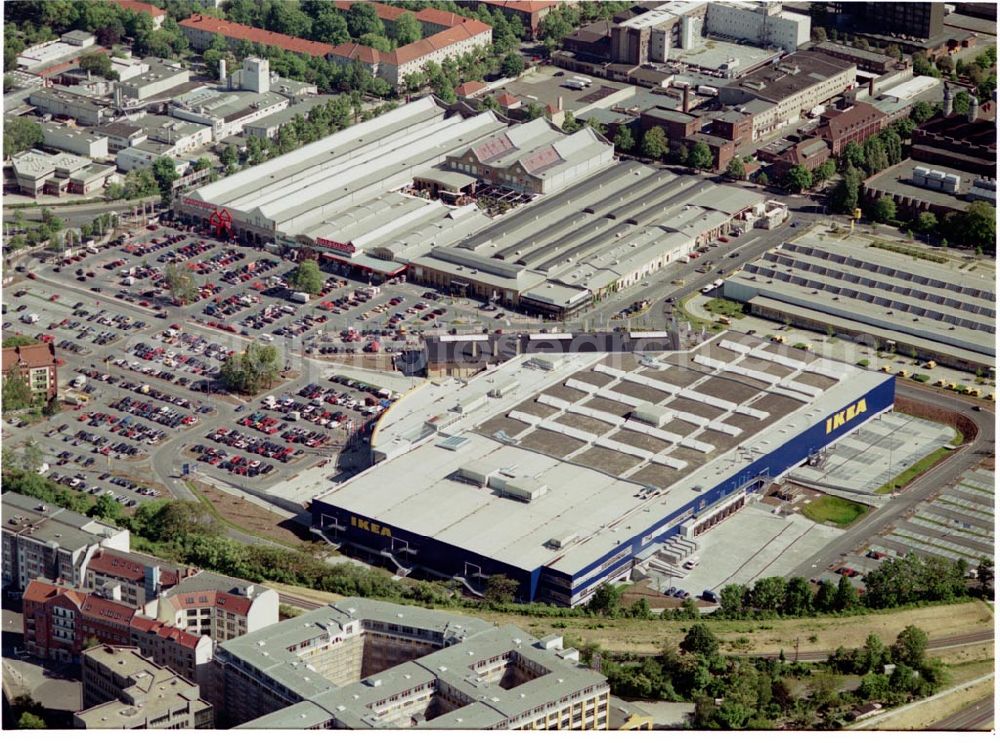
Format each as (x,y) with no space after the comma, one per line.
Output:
(588,460)
(795,73)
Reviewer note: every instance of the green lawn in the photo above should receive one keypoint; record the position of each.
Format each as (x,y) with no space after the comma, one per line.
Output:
(907,476)
(835,510)
(726,307)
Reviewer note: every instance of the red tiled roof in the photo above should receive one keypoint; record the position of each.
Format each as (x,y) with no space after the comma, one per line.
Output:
(228,601)
(43,591)
(839,122)
(256,35)
(525,6)
(107,611)
(173,634)
(353,50)
(111,563)
(137,7)
(34,356)
(506,100)
(469,88)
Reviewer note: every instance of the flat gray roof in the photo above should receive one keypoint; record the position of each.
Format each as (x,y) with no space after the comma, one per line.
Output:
(897,181)
(69,529)
(592,471)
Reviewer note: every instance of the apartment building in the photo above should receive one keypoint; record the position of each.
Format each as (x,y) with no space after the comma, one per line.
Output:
(217,606)
(45,541)
(362,664)
(141,578)
(36,363)
(855,124)
(123,690)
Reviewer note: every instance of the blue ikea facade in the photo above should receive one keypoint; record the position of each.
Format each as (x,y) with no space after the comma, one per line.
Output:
(548,583)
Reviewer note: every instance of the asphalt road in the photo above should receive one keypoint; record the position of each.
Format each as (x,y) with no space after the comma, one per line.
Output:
(978,716)
(922,488)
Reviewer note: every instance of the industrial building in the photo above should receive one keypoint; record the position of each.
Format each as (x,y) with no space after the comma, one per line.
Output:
(122,690)
(916,186)
(38,172)
(823,280)
(565,471)
(360,664)
(558,255)
(797,84)
(46,541)
(159,77)
(85,111)
(73,140)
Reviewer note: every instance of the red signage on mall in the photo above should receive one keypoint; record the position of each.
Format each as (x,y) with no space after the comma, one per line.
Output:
(199,204)
(339,247)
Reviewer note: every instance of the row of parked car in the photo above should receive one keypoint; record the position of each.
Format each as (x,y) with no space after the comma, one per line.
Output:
(238,465)
(161,414)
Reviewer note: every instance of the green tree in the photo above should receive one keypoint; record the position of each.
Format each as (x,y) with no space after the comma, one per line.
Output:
(736,169)
(624,141)
(363,19)
(926,222)
(910,647)
(500,589)
(165,173)
(700,157)
(180,283)
(20,134)
(921,111)
(824,172)
(872,655)
(798,179)
(98,64)
(29,721)
(31,456)
(406,29)
(253,370)
(762,178)
(825,597)
(853,155)
(798,597)
(846,193)
(984,574)
(202,163)
(534,111)
(606,600)
(876,159)
(883,210)
(700,640)
(976,228)
(376,41)
(732,599)
(960,104)
(16,393)
(106,509)
(874,687)
(512,65)
(654,143)
(846,596)
(306,277)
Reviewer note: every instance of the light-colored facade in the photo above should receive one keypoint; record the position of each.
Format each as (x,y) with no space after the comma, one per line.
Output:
(44,541)
(362,664)
(124,691)
(226,112)
(160,75)
(763,23)
(64,103)
(76,141)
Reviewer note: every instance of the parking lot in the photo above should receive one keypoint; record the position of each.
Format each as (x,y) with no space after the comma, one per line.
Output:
(142,370)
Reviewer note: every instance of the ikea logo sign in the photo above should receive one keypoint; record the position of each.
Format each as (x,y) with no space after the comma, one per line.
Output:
(373,527)
(839,418)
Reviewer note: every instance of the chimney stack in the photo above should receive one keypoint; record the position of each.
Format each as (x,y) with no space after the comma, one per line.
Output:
(222,71)
(871,88)
(973,109)
(687,98)
(949,101)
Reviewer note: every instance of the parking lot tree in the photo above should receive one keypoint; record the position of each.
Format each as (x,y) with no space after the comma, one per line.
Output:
(768,594)
(654,143)
(307,277)
(700,157)
(253,370)
(799,179)
(32,456)
(16,243)
(926,222)
(16,392)
(180,283)
(700,640)
(20,134)
(736,169)
(624,139)
(500,589)
(52,407)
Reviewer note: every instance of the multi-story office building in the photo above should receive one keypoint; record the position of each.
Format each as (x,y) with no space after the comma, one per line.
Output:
(123,690)
(36,363)
(45,541)
(362,664)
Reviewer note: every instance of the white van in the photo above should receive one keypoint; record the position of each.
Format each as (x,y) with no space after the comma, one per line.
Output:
(692,562)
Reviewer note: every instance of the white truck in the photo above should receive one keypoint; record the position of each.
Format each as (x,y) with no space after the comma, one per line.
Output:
(300,297)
